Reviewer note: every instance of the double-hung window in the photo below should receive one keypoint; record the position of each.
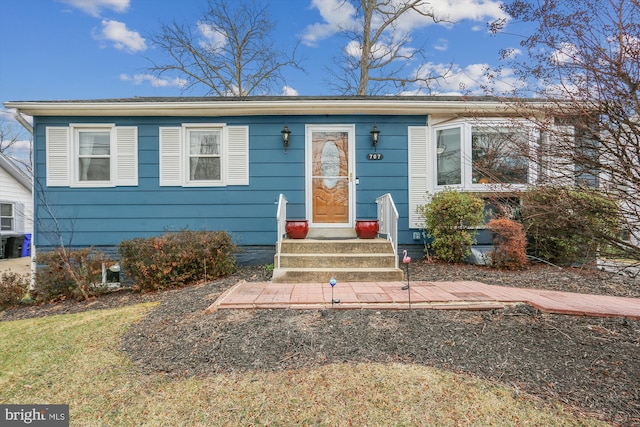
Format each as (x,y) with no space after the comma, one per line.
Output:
(205,153)
(7,217)
(482,155)
(93,155)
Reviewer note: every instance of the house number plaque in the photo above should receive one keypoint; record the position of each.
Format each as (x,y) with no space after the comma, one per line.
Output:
(374,156)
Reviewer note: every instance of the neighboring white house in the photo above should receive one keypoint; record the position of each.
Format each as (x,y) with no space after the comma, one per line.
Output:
(16,202)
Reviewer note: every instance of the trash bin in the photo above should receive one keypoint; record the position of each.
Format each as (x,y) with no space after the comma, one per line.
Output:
(26,245)
(13,247)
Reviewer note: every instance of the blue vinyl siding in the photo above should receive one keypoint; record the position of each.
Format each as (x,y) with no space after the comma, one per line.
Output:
(106,216)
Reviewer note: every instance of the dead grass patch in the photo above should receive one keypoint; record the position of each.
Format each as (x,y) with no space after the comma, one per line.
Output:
(75,359)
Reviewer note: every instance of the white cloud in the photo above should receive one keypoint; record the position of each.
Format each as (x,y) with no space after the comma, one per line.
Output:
(138,79)
(289,91)
(121,37)
(336,14)
(340,14)
(94,7)
(511,53)
(459,10)
(212,39)
(379,50)
(471,79)
(441,45)
(566,53)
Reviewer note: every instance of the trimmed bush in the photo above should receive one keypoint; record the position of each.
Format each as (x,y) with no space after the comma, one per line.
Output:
(177,259)
(510,244)
(13,287)
(64,273)
(450,219)
(568,225)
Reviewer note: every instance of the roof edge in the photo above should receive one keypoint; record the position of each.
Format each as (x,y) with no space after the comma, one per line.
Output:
(262,105)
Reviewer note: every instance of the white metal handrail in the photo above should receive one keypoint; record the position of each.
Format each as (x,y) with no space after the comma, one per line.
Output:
(388,220)
(281,218)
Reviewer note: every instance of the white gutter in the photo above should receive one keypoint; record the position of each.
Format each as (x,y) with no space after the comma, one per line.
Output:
(249,107)
(20,118)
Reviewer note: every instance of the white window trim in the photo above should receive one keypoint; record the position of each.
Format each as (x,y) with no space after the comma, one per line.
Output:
(466,127)
(186,128)
(75,167)
(13,217)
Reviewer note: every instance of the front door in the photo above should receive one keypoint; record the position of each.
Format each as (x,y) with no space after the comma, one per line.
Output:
(329,184)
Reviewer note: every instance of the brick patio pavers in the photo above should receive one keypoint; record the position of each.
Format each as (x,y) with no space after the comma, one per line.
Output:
(464,295)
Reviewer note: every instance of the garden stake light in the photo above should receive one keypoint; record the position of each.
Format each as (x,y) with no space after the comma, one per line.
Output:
(333,282)
(406,260)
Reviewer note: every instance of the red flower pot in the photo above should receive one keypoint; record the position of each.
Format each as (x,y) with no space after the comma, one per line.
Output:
(297,228)
(366,228)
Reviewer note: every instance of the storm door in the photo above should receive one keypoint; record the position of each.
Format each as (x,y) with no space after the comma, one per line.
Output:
(330,187)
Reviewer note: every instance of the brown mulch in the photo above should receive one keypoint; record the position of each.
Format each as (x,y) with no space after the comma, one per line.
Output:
(591,364)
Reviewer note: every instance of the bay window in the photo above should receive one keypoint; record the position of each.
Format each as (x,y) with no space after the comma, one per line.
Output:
(478,155)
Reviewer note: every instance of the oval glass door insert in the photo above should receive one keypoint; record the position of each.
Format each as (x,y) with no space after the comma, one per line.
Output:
(330,164)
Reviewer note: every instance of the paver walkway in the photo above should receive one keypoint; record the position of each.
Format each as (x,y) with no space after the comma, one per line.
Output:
(424,295)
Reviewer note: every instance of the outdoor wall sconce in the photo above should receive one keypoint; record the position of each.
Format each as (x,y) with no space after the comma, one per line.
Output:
(374,135)
(285,137)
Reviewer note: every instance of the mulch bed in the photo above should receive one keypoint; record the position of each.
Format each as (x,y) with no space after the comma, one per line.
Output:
(591,364)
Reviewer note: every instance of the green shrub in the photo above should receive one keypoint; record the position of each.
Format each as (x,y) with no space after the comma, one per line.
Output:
(450,219)
(13,288)
(568,225)
(177,259)
(64,273)
(509,244)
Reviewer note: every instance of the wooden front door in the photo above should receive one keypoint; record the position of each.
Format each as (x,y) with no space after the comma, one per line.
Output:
(330,175)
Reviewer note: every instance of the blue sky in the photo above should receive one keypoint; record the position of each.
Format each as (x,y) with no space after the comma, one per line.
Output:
(86,49)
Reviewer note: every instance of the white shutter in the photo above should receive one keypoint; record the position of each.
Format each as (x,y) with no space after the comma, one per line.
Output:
(18,215)
(126,155)
(558,167)
(237,167)
(58,156)
(418,173)
(171,156)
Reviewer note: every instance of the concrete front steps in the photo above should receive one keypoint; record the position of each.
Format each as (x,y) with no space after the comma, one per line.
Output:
(345,259)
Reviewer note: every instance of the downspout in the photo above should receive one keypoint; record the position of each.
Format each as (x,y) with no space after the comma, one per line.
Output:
(20,119)
(25,124)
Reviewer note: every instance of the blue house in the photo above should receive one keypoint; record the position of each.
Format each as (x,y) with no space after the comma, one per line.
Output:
(114,169)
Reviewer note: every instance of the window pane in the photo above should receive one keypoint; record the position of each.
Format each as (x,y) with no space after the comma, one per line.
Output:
(6,224)
(499,156)
(94,169)
(204,142)
(204,168)
(94,143)
(448,155)
(6,209)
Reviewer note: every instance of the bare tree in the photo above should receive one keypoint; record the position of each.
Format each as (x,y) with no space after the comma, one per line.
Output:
(12,139)
(228,53)
(583,59)
(379,54)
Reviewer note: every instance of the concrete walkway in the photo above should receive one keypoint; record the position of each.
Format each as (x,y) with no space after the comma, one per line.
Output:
(424,295)
(16,265)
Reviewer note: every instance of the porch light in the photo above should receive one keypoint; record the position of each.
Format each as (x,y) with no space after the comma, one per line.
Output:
(374,135)
(285,137)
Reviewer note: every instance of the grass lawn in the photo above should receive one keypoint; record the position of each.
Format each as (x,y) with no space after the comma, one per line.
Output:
(75,359)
